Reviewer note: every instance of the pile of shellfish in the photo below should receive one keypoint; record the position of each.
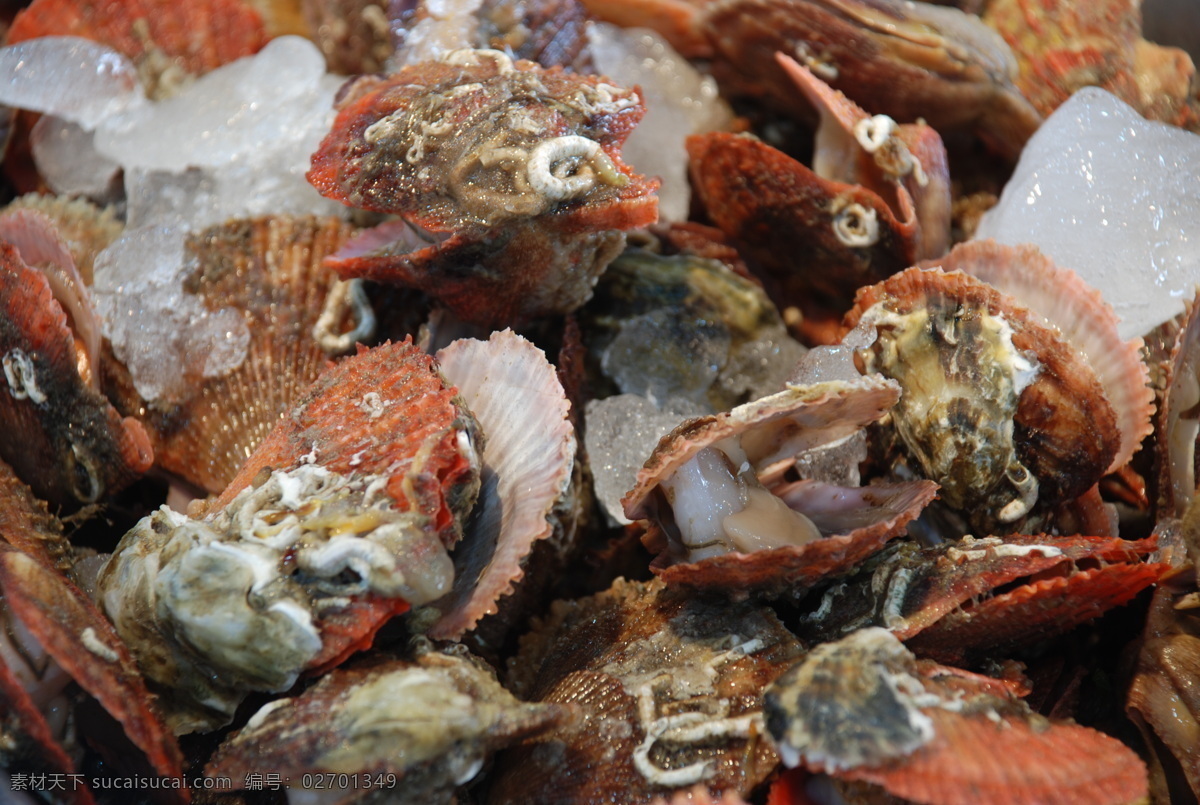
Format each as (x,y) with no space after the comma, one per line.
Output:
(479,475)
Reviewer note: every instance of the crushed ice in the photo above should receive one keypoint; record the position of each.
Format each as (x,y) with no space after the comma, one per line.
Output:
(1112,196)
(234,143)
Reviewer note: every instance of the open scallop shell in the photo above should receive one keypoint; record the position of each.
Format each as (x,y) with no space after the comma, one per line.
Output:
(516,396)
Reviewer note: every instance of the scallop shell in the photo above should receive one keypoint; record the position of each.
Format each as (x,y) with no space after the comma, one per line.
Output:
(84,228)
(454,145)
(50,410)
(1178,428)
(669,687)
(1011,440)
(865,709)
(71,630)
(27,525)
(166,41)
(979,597)
(429,724)
(1079,312)
(384,411)
(269,269)
(905,60)
(516,396)
(774,208)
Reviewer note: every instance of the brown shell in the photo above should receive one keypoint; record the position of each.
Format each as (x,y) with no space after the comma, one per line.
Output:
(338,727)
(354,35)
(389,151)
(901,59)
(409,431)
(270,269)
(783,218)
(1178,428)
(165,40)
(63,620)
(506,276)
(1065,430)
(633,659)
(1080,313)
(27,525)
(909,589)
(60,435)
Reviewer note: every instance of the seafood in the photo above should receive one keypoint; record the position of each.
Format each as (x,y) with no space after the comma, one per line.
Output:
(506,161)
(865,709)
(997,408)
(426,725)
(326,533)
(390,355)
(669,687)
(60,434)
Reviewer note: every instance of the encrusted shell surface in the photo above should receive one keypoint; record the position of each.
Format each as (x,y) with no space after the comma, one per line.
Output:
(965,599)
(803,233)
(384,411)
(27,525)
(271,271)
(514,393)
(997,407)
(865,709)
(1078,311)
(430,723)
(669,686)
(476,139)
(906,60)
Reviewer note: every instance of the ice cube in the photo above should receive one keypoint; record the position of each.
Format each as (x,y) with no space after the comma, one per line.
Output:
(73,78)
(679,101)
(621,433)
(68,160)
(1112,196)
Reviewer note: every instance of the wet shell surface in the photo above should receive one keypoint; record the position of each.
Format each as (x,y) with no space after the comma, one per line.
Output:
(71,630)
(1079,312)
(427,726)
(865,709)
(514,393)
(669,689)
(270,270)
(997,407)
(340,520)
(476,139)
(57,430)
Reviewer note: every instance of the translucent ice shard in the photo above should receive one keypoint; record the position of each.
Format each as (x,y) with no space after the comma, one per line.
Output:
(75,79)
(679,101)
(1112,196)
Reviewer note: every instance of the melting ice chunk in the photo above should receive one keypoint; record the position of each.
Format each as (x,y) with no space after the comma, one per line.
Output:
(1112,196)
(621,433)
(75,79)
(679,101)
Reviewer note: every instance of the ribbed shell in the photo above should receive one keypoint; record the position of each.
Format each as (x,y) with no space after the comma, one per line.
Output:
(1079,312)
(516,396)
(271,270)
(57,614)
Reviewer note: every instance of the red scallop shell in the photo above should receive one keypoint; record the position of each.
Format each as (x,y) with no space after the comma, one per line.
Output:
(774,209)
(56,613)
(42,440)
(412,436)
(1080,313)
